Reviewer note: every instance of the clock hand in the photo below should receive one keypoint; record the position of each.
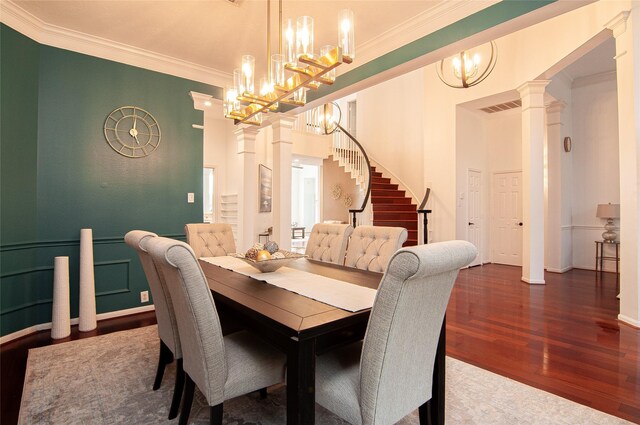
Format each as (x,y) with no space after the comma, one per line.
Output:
(135,136)
(135,119)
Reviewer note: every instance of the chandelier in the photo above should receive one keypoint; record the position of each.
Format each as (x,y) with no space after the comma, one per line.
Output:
(469,67)
(245,102)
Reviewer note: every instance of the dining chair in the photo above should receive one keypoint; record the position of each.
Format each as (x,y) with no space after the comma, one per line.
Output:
(210,239)
(167,327)
(371,247)
(223,367)
(328,242)
(388,375)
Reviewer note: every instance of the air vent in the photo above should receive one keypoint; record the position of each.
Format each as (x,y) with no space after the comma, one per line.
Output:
(502,107)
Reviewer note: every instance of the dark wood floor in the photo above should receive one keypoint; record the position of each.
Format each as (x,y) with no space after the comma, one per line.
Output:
(562,337)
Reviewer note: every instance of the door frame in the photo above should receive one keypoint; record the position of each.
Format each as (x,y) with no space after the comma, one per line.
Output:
(481,242)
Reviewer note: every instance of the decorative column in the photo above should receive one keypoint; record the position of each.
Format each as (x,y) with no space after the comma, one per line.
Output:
(533,131)
(247,187)
(554,183)
(625,27)
(282,147)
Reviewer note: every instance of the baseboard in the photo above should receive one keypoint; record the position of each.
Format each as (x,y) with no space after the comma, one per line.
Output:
(533,281)
(629,321)
(562,270)
(102,316)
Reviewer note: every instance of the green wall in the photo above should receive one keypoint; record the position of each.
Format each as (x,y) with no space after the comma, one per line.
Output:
(59,174)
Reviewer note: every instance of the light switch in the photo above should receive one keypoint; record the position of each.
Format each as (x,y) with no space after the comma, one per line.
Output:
(191,197)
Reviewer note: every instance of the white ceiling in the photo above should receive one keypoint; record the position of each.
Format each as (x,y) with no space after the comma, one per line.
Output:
(597,61)
(215,33)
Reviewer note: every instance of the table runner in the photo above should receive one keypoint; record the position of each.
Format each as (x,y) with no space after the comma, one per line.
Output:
(337,293)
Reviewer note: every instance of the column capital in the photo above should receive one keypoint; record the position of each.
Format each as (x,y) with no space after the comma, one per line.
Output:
(246,138)
(556,106)
(532,87)
(618,25)
(201,100)
(282,127)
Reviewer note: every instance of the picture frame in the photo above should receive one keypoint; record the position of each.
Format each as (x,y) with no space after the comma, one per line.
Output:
(265,189)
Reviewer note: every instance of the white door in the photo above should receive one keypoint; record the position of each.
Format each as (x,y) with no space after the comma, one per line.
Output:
(474,230)
(506,229)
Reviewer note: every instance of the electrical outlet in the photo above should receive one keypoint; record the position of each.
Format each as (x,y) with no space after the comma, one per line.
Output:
(191,197)
(144,296)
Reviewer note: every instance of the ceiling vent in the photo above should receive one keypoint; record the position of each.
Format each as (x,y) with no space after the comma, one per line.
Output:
(502,107)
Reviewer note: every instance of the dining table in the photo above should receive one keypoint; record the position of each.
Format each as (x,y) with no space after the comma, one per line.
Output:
(303,328)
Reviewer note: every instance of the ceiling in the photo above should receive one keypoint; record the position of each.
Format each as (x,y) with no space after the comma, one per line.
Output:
(215,33)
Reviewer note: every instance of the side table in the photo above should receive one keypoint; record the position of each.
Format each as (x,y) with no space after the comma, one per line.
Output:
(600,257)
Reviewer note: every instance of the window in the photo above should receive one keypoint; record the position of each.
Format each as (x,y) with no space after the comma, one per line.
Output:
(208,198)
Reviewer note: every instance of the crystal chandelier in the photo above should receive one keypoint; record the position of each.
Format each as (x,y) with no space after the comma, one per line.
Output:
(469,67)
(245,102)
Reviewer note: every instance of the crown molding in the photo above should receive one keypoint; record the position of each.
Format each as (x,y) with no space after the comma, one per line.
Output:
(594,79)
(426,22)
(51,35)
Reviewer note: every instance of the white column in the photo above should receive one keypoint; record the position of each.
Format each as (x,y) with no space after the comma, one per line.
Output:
(553,187)
(626,27)
(533,131)
(282,148)
(247,187)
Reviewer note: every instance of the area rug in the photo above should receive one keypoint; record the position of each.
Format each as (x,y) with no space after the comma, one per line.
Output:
(107,380)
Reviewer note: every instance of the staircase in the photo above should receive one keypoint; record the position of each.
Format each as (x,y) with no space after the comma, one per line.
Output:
(390,205)
(392,208)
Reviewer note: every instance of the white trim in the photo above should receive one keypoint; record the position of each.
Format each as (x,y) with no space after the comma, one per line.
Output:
(629,321)
(52,35)
(533,281)
(102,316)
(594,79)
(562,270)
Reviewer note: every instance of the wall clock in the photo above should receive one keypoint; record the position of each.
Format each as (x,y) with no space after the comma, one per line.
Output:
(132,131)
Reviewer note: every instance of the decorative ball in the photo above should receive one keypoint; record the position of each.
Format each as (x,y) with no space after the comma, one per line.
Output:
(251,253)
(258,246)
(263,255)
(271,246)
(277,255)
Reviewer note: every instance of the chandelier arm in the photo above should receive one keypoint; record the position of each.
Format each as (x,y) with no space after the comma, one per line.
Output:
(463,70)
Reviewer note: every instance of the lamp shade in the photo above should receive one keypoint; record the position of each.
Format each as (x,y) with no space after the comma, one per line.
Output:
(608,211)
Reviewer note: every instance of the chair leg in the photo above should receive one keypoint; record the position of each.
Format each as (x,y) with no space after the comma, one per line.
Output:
(189,388)
(263,393)
(215,414)
(165,357)
(423,412)
(177,390)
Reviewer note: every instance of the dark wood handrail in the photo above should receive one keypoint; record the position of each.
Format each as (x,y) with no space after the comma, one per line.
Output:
(353,212)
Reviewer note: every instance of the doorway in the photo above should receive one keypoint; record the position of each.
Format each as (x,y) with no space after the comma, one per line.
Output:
(506,226)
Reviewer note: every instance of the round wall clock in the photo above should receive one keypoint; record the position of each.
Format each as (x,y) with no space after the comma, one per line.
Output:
(132,131)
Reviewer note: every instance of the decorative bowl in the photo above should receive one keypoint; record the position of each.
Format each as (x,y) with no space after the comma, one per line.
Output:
(272,265)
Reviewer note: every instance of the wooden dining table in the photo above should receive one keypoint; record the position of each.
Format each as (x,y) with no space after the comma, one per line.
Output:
(303,328)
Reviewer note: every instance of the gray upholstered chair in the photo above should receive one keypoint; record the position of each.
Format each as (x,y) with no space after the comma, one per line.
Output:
(380,380)
(210,239)
(221,367)
(328,242)
(371,247)
(167,326)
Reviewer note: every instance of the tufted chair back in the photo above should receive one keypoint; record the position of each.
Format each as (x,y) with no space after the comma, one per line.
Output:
(210,239)
(328,242)
(371,247)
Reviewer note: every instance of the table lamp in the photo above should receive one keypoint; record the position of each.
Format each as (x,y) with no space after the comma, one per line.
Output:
(609,211)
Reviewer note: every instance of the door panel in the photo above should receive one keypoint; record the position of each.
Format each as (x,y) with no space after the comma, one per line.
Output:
(506,231)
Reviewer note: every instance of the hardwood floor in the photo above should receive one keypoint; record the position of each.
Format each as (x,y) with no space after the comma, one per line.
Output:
(562,337)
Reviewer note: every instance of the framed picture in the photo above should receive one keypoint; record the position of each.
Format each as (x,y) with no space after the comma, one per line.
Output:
(264,188)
